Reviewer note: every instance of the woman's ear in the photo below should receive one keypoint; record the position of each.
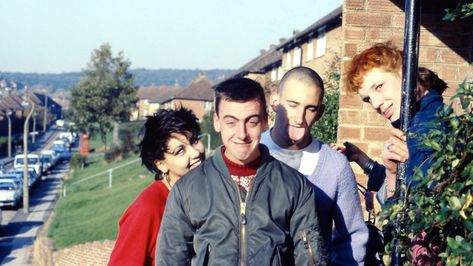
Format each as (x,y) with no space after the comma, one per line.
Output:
(161,165)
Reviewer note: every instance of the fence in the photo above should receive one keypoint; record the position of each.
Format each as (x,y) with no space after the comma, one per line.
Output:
(110,175)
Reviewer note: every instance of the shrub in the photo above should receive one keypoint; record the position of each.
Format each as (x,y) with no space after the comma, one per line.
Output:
(326,128)
(78,161)
(441,204)
(115,153)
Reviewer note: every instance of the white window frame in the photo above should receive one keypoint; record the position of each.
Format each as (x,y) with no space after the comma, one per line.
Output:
(321,44)
(310,50)
(288,60)
(296,58)
(274,74)
(280,73)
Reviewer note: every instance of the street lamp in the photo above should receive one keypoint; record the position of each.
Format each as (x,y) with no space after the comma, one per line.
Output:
(25,103)
(45,118)
(8,113)
(33,138)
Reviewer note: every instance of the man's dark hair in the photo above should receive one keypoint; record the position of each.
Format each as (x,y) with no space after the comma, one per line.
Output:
(240,90)
(430,81)
(157,132)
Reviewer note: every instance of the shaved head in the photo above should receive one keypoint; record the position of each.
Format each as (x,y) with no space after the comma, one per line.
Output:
(304,75)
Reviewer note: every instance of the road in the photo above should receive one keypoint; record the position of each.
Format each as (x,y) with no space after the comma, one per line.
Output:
(19,230)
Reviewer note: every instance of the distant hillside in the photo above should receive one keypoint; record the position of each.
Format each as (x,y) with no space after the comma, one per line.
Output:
(143,77)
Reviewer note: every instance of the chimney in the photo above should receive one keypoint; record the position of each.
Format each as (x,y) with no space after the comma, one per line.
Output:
(282,40)
(295,32)
(262,51)
(272,46)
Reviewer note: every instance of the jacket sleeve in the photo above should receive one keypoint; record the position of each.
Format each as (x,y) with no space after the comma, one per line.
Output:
(376,177)
(309,246)
(351,234)
(174,245)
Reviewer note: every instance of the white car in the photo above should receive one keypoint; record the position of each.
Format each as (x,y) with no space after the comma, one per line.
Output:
(10,193)
(32,176)
(33,161)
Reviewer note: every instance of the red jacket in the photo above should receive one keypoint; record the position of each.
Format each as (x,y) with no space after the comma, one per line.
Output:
(139,227)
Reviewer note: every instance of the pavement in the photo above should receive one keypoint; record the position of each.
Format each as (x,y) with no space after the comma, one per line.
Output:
(19,230)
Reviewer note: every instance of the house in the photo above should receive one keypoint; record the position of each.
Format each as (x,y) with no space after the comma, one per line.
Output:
(164,94)
(318,47)
(197,96)
(144,95)
(445,47)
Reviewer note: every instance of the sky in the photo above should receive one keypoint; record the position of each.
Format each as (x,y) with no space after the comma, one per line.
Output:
(55,36)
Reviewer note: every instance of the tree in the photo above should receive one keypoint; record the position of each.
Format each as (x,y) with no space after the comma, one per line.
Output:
(105,94)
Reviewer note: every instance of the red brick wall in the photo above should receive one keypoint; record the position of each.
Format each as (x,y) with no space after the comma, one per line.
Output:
(445,47)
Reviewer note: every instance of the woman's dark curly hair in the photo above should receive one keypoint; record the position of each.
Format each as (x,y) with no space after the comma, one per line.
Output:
(157,132)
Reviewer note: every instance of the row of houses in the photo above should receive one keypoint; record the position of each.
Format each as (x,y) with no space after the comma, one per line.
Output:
(13,107)
(327,45)
(198,96)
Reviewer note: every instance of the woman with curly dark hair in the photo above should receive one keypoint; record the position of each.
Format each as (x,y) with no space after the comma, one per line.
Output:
(170,148)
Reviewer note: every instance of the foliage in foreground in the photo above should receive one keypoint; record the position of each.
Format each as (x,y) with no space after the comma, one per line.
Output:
(326,128)
(441,203)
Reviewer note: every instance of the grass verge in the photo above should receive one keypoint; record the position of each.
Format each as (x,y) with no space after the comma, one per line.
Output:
(91,209)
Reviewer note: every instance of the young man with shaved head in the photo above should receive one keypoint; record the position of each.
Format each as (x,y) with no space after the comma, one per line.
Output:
(298,105)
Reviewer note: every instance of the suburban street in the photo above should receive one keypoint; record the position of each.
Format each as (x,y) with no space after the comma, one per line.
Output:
(19,230)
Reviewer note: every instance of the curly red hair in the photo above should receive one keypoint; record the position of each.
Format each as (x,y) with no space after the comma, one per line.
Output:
(381,55)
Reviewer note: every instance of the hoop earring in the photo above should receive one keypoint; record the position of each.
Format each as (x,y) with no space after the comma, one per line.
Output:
(166,178)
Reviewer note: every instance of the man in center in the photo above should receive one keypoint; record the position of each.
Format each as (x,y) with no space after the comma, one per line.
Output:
(241,206)
(298,105)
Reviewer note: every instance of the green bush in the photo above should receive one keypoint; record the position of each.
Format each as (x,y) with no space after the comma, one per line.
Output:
(115,153)
(78,161)
(207,126)
(441,203)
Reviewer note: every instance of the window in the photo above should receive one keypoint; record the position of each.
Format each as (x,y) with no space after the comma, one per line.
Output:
(280,73)
(288,60)
(208,106)
(321,42)
(273,74)
(296,60)
(310,50)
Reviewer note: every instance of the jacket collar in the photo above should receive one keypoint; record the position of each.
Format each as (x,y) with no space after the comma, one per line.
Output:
(220,165)
(432,97)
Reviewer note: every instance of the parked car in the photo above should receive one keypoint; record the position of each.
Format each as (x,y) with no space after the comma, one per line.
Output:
(10,193)
(32,175)
(18,178)
(33,161)
(60,148)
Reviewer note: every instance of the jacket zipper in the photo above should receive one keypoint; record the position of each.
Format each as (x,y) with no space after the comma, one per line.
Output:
(243,222)
(307,247)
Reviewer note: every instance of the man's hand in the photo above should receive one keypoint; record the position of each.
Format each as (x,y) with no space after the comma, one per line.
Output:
(353,153)
(395,150)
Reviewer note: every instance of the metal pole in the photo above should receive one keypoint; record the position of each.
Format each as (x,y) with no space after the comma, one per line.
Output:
(110,176)
(33,138)
(45,118)
(9,134)
(409,83)
(26,202)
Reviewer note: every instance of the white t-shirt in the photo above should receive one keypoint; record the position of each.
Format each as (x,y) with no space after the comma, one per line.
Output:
(303,160)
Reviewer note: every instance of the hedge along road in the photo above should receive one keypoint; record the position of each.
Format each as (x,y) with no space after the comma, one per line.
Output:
(19,230)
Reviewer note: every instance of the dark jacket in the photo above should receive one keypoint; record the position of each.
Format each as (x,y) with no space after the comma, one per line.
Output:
(424,120)
(209,220)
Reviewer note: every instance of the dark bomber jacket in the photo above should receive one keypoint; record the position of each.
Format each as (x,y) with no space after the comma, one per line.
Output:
(209,220)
